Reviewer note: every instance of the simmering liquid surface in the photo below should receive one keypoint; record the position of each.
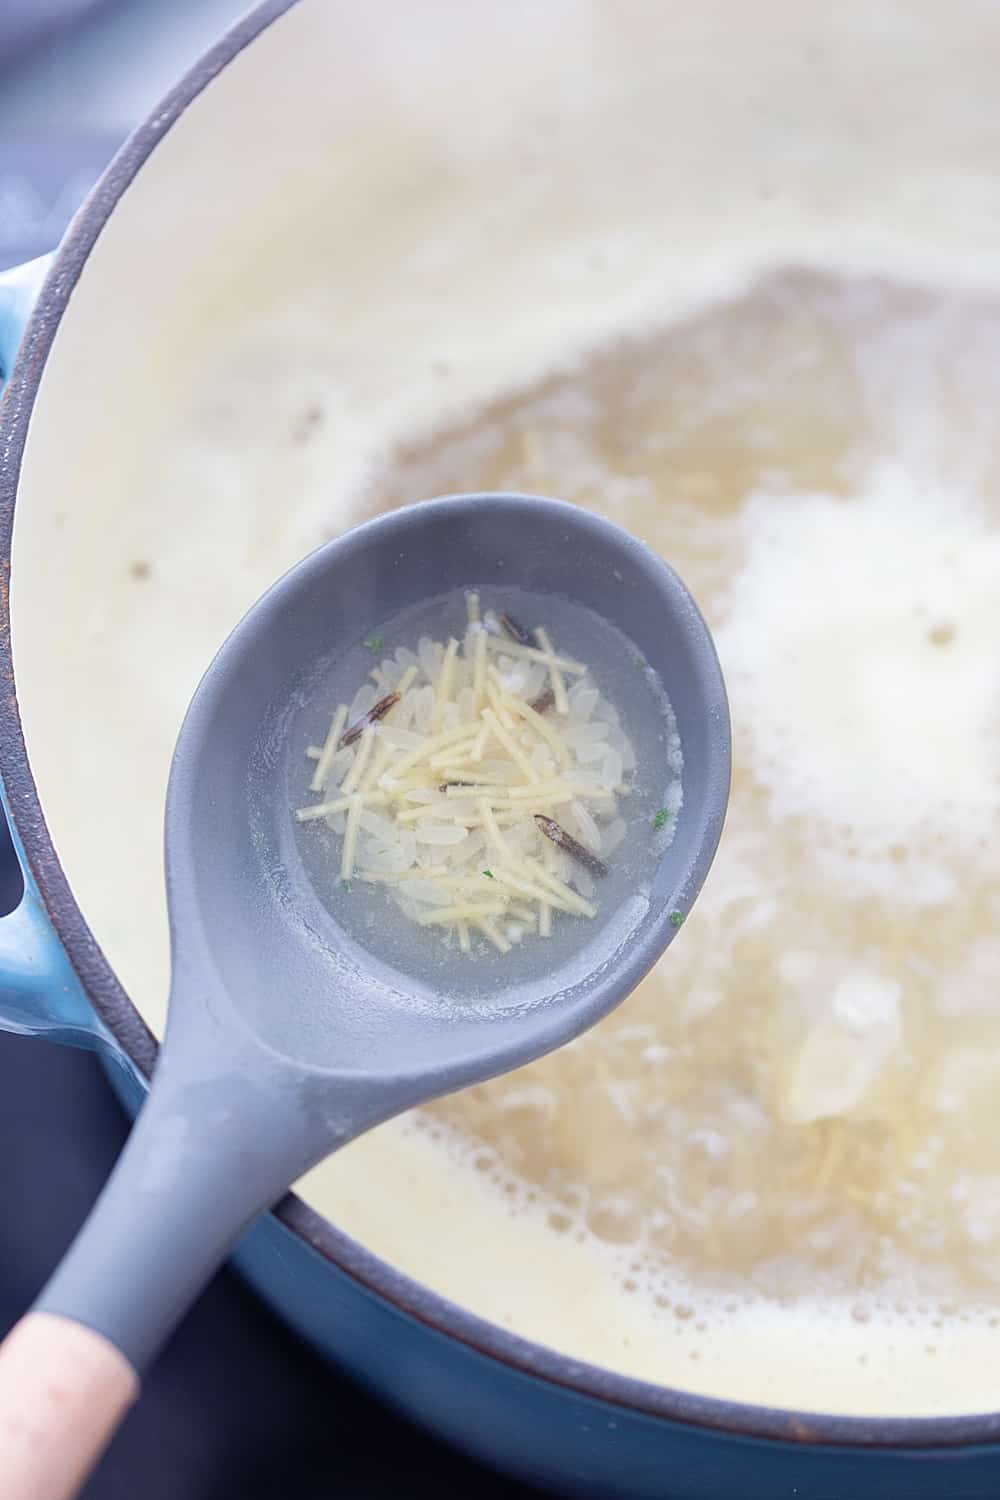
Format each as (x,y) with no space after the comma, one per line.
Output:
(802,1097)
(774,1174)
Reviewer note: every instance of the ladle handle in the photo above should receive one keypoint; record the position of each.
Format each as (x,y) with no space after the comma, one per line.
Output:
(197,1168)
(63,1392)
(216,1143)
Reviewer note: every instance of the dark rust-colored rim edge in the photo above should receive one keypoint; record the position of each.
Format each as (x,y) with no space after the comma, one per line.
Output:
(735,1419)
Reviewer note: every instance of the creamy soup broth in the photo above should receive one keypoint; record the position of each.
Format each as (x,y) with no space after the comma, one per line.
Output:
(788,1126)
(797,1104)
(774,1173)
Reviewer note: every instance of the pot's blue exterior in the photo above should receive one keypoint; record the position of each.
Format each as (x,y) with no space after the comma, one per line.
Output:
(526,1410)
(39,990)
(557,1438)
(19,288)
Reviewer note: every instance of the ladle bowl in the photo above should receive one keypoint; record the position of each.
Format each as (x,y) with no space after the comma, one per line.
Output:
(285,1039)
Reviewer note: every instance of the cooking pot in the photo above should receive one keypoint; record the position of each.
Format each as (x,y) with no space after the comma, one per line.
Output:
(313,129)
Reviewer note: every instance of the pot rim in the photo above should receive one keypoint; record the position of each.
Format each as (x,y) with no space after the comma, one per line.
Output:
(130,1032)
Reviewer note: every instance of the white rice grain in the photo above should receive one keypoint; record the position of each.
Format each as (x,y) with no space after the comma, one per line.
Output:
(388,861)
(590,835)
(430,655)
(613,768)
(401,739)
(582,702)
(364,699)
(440,833)
(613,835)
(424,710)
(591,751)
(534,682)
(383,828)
(618,741)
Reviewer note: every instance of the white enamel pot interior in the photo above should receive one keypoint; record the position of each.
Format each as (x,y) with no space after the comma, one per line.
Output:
(412,204)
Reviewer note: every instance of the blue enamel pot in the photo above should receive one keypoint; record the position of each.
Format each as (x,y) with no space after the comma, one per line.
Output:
(236,136)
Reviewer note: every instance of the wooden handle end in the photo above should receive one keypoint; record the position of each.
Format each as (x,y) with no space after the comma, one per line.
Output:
(64,1389)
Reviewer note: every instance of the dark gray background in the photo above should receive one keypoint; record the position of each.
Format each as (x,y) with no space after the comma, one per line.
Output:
(237,1409)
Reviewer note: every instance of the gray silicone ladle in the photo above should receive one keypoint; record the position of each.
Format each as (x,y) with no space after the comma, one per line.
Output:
(284,1040)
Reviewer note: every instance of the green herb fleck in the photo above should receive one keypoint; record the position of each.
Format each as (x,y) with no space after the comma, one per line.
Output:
(374,642)
(345,885)
(661,818)
(488,874)
(676,918)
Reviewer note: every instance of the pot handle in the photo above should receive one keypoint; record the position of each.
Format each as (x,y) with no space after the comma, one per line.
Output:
(40,993)
(19,289)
